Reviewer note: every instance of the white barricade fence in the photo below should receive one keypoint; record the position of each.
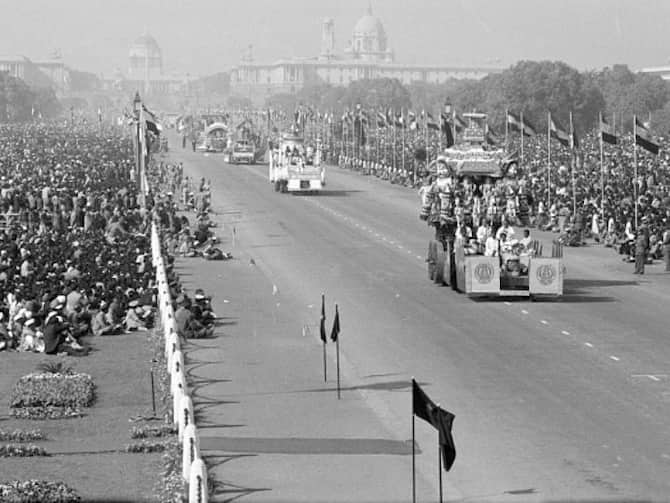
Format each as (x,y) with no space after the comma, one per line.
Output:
(197,486)
(194,470)
(190,450)
(186,415)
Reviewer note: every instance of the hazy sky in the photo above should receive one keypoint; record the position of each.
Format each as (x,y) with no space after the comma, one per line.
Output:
(206,36)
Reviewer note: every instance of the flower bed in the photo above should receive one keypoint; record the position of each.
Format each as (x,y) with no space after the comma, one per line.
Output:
(21,451)
(145,447)
(50,412)
(153,431)
(37,491)
(172,488)
(21,435)
(60,390)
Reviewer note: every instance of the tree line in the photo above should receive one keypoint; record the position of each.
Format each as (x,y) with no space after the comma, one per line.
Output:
(19,102)
(532,87)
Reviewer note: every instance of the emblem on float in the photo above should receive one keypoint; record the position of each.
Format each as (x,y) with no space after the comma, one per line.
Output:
(546,274)
(483,273)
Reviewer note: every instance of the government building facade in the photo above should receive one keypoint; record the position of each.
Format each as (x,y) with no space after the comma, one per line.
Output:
(366,56)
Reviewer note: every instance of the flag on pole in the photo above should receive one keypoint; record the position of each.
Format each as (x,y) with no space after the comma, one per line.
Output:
(445,125)
(574,143)
(442,420)
(558,133)
(411,119)
(323,319)
(643,138)
(152,122)
(335,332)
(607,132)
(381,119)
(515,123)
(459,123)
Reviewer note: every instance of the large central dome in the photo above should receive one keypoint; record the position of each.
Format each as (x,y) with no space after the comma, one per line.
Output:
(369,25)
(369,38)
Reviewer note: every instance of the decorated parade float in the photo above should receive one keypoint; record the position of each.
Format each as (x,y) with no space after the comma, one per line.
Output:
(470,184)
(295,166)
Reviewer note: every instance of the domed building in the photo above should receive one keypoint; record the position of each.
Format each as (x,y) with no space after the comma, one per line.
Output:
(367,55)
(368,42)
(145,58)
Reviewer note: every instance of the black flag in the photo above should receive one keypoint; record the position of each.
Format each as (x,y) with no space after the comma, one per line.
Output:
(335,332)
(442,420)
(323,318)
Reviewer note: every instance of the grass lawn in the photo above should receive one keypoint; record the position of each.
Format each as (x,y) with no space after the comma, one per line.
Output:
(87,452)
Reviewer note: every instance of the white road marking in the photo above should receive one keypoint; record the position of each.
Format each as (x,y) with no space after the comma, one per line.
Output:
(565,332)
(409,251)
(523,311)
(653,378)
(616,359)
(419,257)
(588,344)
(544,322)
(508,303)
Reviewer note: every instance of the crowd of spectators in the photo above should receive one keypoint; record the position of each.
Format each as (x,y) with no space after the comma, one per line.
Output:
(74,242)
(579,202)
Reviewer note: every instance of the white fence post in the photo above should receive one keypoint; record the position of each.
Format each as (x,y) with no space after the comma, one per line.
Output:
(197,486)
(186,414)
(190,450)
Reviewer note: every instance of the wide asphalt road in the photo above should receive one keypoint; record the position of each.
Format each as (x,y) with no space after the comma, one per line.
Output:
(554,401)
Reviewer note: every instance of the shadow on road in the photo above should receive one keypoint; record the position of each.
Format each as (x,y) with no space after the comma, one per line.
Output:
(378,386)
(350,446)
(332,193)
(570,284)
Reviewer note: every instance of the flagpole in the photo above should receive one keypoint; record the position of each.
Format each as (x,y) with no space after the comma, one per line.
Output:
(602,168)
(323,336)
(337,359)
(439,462)
(522,129)
(413,449)
(572,167)
(403,141)
(394,141)
(548,160)
(635,166)
(506,130)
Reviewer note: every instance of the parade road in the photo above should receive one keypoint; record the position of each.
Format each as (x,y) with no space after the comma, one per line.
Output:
(554,400)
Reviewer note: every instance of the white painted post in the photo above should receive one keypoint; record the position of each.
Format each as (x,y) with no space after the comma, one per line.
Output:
(190,450)
(177,393)
(186,414)
(197,486)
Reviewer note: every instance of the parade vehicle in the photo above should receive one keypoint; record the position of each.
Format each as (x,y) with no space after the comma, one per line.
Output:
(216,137)
(472,183)
(243,151)
(295,167)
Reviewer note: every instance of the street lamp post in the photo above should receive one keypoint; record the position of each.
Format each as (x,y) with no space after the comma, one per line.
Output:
(139,173)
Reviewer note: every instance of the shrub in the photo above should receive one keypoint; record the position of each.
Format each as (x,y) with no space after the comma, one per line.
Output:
(21,451)
(146,447)
(60,390)
(43,491)
(172,487)
(21,435)
(153,431)
(52,367)
(50,412)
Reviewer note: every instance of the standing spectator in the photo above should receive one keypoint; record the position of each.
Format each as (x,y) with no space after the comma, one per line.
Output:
(641,247)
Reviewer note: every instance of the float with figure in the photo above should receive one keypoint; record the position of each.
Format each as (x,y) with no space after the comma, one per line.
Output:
(472,186)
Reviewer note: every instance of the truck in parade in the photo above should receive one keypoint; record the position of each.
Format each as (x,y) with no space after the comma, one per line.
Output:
(470,185)
(294,166)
